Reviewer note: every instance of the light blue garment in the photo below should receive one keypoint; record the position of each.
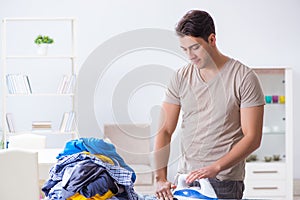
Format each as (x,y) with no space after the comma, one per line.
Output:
(71,147)
(54,193)
(146,197)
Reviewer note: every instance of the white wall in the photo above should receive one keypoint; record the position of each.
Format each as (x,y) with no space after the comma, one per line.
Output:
(256,32)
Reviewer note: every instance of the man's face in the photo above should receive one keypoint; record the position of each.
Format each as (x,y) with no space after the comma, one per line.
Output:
(196,50)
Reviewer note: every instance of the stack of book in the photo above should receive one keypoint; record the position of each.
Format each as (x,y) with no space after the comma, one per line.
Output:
(41,126)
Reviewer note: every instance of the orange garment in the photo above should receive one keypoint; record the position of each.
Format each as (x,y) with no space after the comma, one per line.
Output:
(105,196)
(101,157)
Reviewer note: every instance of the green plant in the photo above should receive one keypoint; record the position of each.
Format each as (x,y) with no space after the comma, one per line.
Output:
(40,39)
(2,140)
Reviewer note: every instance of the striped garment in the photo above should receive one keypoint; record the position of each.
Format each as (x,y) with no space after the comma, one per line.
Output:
(121,175)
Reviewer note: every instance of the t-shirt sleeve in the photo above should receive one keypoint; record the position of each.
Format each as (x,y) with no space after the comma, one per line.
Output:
(172,91)
(251,91)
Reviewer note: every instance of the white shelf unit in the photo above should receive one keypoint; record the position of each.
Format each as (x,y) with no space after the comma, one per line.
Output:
(19,52)
(274,180)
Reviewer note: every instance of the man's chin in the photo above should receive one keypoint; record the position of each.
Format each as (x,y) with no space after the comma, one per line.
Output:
(198,65)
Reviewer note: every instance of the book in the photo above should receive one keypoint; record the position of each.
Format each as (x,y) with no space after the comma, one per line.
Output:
(42,123)
(64,122)
(70,121)
(62,84)
(11,83)
(27,84)
(10,122)
(21,89)
(71,84)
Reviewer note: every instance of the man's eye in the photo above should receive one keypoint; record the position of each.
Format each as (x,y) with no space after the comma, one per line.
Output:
(196,47)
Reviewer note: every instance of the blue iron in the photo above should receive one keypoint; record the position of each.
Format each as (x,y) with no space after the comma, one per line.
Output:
(203,190)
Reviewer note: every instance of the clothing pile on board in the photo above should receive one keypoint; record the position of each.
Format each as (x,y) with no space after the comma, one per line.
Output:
(90,168)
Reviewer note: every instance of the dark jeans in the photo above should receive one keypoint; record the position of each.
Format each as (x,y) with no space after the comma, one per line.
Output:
(228,189)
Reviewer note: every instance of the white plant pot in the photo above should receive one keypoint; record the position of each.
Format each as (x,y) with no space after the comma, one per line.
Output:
(42,49)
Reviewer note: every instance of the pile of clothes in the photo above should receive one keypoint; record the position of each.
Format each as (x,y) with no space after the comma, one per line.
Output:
(90,169)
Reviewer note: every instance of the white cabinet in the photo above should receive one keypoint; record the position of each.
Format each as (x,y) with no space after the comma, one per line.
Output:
(269,178)
(31,81)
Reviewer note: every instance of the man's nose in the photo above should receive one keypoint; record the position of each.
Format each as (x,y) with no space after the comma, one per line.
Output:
(190,54)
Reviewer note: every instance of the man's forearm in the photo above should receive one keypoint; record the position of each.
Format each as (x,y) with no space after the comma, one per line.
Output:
(239,152)
(161,174)
(161,155)
(167,124)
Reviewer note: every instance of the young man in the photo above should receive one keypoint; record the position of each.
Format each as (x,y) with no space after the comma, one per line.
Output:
(222,104)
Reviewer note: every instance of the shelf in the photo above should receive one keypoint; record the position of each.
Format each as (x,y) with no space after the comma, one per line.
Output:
(17,89)
(278,70)
(275,104)
(38,19)
(40,57)
(39,95)
(262,162)
(274,133)
(42,132)
(275,176)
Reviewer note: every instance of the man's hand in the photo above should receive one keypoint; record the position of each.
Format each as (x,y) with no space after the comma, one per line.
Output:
(163,190)
(210,171)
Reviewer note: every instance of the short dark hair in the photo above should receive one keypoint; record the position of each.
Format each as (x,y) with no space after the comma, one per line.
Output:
(196,23)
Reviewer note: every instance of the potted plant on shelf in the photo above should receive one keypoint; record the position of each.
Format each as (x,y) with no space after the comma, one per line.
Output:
(43,43)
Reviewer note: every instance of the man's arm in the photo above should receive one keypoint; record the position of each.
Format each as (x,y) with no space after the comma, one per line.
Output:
(251,122)
(168,121)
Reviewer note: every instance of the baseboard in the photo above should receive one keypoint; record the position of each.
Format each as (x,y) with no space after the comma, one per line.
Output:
(296,187)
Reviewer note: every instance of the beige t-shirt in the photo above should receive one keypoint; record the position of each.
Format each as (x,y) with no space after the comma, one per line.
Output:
(211,123)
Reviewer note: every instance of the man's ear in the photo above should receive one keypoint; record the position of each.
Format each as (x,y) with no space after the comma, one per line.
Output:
(212,39)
